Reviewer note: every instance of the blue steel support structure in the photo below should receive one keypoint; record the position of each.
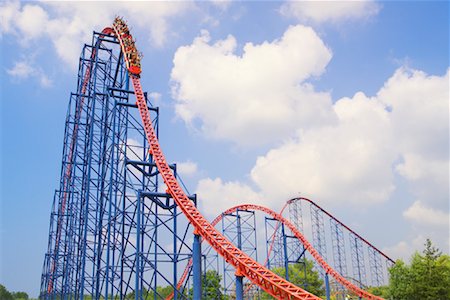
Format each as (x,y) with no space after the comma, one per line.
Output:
(318,233)
(296,217)
(319,241)
(197,270)
(283,249)
(240,228)
(274,243)
(109,217)
(339,257)
(358,264)
(376,267)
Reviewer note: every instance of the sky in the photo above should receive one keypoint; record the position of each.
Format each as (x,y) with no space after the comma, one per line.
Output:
(346,103)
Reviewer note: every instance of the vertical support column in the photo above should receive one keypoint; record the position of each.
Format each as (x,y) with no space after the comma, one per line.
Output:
(286,257)
(137,290)
(239,287)
(267,243)
(175,246)
(197,266)
(239,277)
(327,286)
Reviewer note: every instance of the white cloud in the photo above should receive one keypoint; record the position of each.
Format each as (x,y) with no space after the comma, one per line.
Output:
(31,21)
(420,118)
(329,11)
(347,162)
(420,111)
(254,98)
(355,158)
(23,70)
(422,214)
(70,24)
(222,4)
(7,15)
(404,249)
(216,196)
(187,168)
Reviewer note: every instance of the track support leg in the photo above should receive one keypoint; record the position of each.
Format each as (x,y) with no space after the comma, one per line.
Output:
(327,286)
(197,267)
(239,288)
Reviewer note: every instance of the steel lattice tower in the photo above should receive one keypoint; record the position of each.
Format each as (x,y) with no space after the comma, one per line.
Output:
(120,217)
(109,216)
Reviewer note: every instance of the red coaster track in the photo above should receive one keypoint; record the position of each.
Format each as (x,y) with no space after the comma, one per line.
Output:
(244,265)
(278,216)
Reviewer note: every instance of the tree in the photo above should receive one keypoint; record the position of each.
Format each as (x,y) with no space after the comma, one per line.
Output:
(211,287)
(313,283)
(5,294)
(382,291)
(162,291)
(427,277)
(20,296)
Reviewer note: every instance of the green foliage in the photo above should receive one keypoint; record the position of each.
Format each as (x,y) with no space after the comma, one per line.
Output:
(382,291)
(20,296)
(313,283)
(6,295)
(211,287)
(162,291)
(427,277)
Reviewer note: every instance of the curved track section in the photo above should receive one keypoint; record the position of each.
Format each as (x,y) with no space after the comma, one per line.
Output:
(343,225)
(278,216)
(246,266)
(268,281)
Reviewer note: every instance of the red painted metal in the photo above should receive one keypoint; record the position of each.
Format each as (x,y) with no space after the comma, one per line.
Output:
(255,272)
(342,224)
(278,216)
(245,265)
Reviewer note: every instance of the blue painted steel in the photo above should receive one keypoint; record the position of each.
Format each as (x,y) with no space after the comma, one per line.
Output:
(197,267)
(106,237)
(376,268)
(275,244)
(239,279)
(138,290)
(286,255)
(327,287)
(239,288)
(358,264)
(318,234)
(339,257)
(240,229)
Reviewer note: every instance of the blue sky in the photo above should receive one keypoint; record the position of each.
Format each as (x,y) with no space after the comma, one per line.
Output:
(345,103)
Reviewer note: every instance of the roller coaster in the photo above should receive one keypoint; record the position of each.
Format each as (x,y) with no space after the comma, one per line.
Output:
(124,226)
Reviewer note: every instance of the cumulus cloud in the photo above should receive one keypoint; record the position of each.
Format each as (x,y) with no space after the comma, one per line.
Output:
(70,24)
(187,168)
(23,70)
(355,158)
(420,123)
(404,249)
(254,98)
(350,160)
(217,196)
(329,11)
(422,214)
